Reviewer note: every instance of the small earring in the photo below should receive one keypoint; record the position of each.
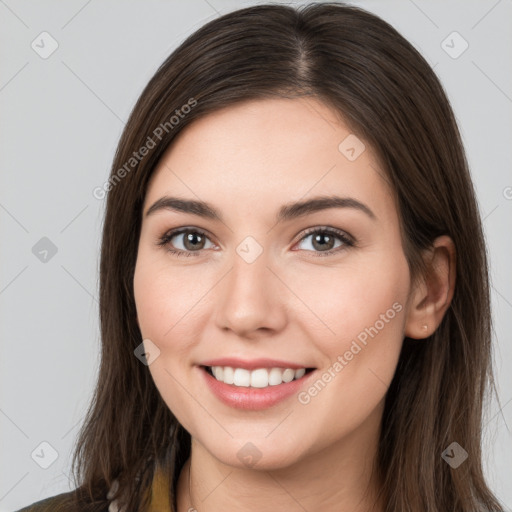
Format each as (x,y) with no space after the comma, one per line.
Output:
(425,327)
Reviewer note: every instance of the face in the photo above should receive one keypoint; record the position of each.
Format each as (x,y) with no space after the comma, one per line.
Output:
(319,289)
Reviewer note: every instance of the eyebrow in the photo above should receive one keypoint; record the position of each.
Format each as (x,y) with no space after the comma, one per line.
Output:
(286,212)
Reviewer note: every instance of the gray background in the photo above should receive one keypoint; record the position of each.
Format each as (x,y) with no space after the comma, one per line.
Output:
(61,119)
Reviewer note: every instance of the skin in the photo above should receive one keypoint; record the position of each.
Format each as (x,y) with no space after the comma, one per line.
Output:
(248,160)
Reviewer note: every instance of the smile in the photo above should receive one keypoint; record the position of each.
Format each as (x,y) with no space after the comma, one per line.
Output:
(258,378)
(254,389)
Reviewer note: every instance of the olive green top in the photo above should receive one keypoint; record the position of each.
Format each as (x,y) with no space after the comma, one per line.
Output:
(159,498)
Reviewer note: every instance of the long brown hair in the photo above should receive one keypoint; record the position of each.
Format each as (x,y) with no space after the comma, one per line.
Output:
(389,97)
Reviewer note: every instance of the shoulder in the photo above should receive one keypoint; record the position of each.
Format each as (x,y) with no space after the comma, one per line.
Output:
(47,503)
(59,503)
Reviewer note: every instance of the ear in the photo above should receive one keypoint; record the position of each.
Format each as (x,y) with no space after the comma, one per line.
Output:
(433,293)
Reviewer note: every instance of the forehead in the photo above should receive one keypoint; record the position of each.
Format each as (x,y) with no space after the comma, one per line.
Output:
(269,151)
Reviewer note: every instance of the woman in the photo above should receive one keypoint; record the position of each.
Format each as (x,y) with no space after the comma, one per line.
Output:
(294,291)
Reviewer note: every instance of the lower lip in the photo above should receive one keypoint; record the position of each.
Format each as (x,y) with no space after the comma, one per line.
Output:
(253,399)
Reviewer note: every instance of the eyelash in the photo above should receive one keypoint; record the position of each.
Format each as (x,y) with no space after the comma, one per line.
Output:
(348,242)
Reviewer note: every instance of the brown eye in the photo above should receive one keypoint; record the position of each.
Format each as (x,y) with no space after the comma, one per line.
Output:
(186,242)
(192,240)
(323,241)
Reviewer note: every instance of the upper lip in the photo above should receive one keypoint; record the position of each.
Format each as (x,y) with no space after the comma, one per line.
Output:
(252,364)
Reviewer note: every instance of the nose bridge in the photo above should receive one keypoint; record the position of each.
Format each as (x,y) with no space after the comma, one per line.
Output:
(250,297)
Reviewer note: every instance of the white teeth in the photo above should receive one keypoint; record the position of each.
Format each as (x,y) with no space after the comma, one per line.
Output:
(288,375)
(275,376)
(242,377)
(260,378)
(218,371)
(300,373)
(228,376)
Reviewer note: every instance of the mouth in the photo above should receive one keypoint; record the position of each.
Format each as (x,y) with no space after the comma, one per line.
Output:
(254,384)
(259,378)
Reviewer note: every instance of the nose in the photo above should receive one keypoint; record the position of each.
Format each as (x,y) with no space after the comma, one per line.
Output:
(251,299)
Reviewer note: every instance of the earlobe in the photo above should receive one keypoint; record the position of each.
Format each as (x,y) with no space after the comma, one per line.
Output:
(433,294)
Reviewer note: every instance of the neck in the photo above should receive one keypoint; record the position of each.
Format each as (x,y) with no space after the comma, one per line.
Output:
(338,477)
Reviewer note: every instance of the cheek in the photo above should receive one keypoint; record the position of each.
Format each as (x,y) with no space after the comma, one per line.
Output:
(358,312)
(364,308)
(167,301)
(165,310)
(342,302)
